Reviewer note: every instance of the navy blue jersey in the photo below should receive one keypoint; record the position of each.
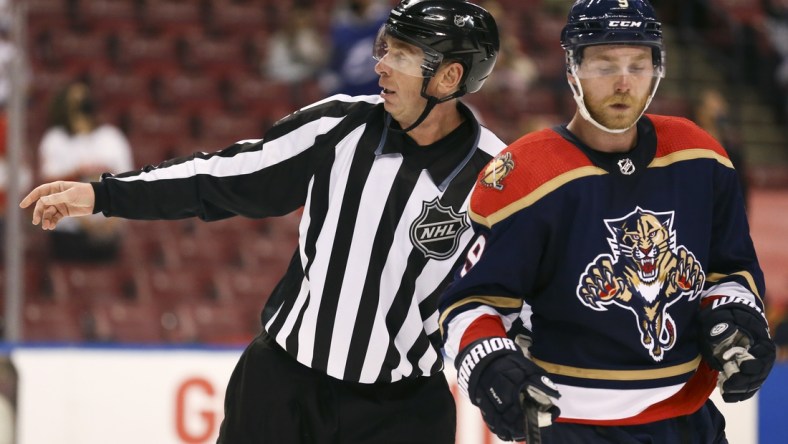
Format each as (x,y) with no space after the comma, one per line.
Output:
(606,258)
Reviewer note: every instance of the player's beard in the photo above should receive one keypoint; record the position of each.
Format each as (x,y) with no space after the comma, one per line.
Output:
(615,119)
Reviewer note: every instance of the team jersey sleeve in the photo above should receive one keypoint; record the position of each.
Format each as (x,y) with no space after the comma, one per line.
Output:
(734,271)
(253,178)
(514,220)
(497,279)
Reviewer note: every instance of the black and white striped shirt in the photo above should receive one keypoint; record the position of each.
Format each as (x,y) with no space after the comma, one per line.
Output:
(383,226)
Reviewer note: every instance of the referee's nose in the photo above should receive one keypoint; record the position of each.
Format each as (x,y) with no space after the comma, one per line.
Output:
(382,68)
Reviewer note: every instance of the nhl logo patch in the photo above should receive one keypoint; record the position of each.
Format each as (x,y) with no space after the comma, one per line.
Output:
(437,230)
(626,166)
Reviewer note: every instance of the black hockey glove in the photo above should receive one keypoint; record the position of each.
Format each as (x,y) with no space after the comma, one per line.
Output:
(735,341)
(498,378)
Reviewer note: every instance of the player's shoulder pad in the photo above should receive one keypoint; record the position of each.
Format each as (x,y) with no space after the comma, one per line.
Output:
(681,139)
(524,172)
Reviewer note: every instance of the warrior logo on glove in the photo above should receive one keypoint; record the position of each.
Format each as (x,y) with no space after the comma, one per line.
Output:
(646,274)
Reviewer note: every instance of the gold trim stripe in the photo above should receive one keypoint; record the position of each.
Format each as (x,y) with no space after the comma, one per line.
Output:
(716,277)
(619,375)
(530,198)
(694,153)
(495,301)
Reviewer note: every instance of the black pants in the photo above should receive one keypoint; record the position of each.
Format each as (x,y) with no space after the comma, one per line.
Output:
(272,398)
(706,426)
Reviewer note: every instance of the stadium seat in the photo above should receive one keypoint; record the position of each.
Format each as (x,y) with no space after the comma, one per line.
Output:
(48,13)
(247,288)
(188,93)
(228,16)
(256,95)
(108,14)
(268,254)
(224,129)
(168,127)
(135,322)
(83,285)
(204,252)
(172,286)
(146,54)
(116,89)
(75,51)
(172,17)
(741,11)
(210,323)
(216,57)
(52,322)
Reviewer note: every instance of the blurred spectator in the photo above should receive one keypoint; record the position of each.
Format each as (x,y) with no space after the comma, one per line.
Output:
(351,68)
(712,113)
(296,52)
(515,71)
(78,147)
(776,24)
(514,74)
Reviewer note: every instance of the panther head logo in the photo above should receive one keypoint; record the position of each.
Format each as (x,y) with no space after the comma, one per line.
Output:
(646,274)
(645,241)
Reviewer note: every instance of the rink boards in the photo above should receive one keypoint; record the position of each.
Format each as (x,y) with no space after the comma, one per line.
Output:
(87,395)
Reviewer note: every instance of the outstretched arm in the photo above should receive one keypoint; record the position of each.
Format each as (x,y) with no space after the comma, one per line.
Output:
(56,200)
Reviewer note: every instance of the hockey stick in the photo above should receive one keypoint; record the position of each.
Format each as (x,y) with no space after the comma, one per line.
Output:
(532,433)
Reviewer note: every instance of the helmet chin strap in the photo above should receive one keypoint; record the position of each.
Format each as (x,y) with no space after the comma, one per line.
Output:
(431,102)
(577,93)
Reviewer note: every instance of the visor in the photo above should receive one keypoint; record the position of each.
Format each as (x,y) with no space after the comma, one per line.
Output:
(635,67)
(402,56)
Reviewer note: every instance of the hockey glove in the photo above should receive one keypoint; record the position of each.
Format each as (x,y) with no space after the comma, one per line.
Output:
(735,341)
(499,379)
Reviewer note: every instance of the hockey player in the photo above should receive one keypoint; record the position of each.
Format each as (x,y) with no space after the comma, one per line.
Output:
(621,243)
(350,351)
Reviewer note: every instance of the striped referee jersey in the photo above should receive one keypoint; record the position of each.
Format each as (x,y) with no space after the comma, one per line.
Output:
(384,224)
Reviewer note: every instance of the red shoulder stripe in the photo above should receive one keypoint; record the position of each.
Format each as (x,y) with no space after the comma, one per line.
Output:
(526,170)
(676,134)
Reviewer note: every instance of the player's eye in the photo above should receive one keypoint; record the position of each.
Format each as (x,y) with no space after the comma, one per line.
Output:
(607,70)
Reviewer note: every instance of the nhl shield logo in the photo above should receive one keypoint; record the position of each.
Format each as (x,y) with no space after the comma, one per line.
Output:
(437,230)
(626,166)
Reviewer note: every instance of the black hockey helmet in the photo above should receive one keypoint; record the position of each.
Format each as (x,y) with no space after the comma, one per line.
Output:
(448,30)
(608,22)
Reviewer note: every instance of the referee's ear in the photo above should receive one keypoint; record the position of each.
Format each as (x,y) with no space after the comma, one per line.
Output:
(448,78)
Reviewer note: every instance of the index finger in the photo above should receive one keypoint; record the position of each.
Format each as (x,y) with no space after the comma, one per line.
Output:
(37,193)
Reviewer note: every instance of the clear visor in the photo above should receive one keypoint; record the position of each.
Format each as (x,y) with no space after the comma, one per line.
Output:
(402,56)
(634,67)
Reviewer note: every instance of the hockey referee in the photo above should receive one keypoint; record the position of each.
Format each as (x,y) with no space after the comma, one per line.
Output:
(350,350)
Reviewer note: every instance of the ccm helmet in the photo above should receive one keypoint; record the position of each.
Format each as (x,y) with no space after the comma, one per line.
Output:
(611,22)
(622,22)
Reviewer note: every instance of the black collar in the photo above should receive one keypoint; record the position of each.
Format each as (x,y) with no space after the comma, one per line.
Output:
(443,159)
(629,164)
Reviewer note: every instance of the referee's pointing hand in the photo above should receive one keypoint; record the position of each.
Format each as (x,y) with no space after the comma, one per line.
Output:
(56,200)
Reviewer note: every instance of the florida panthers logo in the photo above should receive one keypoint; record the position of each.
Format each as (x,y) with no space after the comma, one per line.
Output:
(646,274)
